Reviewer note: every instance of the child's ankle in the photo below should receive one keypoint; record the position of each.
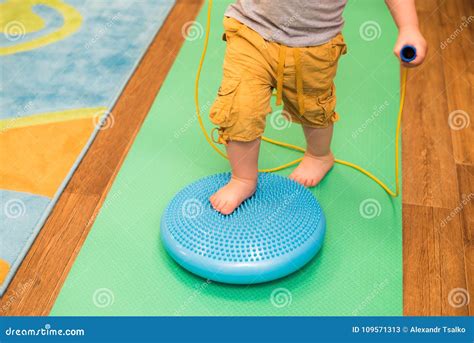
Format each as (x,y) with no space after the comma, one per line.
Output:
(249,180)
(323,155)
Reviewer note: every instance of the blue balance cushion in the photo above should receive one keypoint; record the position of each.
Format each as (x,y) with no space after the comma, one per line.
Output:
(270,235)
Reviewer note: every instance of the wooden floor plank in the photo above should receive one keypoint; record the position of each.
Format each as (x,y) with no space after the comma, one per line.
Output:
(427,146)
(456,45)
(421,281)
(466,205)
(434,265)
(466,211)
(448,228)
(469,254)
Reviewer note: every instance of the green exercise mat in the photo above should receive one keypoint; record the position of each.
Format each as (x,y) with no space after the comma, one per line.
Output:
(122,268)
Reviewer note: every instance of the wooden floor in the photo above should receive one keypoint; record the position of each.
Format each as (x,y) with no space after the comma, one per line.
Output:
(438,167)
(438,171)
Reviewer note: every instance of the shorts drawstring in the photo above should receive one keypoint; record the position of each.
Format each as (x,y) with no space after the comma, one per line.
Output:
(299,80)
(299,77)
(281,68)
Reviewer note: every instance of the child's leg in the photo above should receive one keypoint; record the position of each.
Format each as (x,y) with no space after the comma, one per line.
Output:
(318,159)
(243,157)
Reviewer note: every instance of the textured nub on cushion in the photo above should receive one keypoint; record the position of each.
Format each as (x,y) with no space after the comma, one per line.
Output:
(272,234)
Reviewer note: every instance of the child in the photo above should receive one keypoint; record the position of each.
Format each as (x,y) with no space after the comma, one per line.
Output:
(293,46)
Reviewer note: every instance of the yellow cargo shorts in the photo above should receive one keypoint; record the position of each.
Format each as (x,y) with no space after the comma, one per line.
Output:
(253,67)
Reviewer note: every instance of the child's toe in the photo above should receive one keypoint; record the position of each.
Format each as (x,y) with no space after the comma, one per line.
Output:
(227,209)
(294,177)
(212,199)
(216,203)
(221,206)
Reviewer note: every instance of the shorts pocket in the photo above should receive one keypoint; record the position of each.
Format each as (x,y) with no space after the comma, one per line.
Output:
(231,27)
(223,111)
(327,102)
(339,46)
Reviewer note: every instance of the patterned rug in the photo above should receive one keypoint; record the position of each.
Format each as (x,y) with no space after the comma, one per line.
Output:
(63,66)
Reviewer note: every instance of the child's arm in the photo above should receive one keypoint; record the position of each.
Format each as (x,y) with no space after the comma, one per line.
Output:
(404,14)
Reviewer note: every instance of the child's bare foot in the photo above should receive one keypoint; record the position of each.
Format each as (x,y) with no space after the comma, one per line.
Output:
(229,197)
(312,169)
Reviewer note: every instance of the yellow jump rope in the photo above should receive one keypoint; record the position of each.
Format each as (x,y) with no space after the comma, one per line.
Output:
(291,146)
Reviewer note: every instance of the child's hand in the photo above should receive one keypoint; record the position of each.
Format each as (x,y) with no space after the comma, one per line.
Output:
(411,36)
